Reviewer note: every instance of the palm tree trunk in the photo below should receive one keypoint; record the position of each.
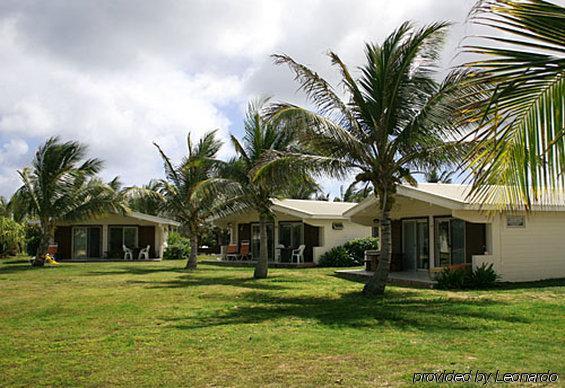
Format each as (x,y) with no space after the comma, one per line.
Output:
(47,237)
(262,266)
(375,286)
(192,263)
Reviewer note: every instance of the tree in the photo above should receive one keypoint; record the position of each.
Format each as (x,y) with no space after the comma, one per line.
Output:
(259,186)
(145,199)
(397,120)
(520,109)
(12,237)
(436,175)
(191,192)
(354,194)
(5,210)
(61,185)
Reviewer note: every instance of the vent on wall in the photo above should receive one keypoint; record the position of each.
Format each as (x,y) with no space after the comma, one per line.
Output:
(515,222)
(337,225)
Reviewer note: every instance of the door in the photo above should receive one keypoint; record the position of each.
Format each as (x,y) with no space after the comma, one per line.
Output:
(443,242)
(256,241)
(409,245)
(450,241)
(80,242)
(415,244)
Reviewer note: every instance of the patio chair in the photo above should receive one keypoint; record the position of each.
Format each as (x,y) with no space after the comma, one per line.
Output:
(127,253)
(298,254)
(232,252)
(245,253)
(144,253)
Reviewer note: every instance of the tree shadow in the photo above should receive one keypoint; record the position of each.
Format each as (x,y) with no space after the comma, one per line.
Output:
(400,308)
(529,285)
(135,270)
(194,280)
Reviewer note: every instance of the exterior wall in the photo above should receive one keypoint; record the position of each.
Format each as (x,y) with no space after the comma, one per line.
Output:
(157,242)
(535,252)
(331,238)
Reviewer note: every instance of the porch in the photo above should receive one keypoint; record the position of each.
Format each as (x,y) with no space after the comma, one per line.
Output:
(420,279)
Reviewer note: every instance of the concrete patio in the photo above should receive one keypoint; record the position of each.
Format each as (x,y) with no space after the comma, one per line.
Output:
(419,279)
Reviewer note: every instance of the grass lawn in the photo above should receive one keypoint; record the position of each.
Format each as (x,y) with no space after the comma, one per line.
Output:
(154,323)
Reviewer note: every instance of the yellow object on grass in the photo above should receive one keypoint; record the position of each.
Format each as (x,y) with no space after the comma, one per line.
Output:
(50,260)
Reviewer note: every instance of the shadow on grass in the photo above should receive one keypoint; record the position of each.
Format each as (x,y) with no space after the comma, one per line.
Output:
(400,308)
(529,285)
(196,280)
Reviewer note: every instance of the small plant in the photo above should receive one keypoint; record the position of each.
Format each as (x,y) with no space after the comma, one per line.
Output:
(338,257)
(452,279)
(178,247)
(483,276)
(357,248)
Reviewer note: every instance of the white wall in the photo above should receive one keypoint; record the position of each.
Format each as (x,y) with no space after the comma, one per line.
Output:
(331,238)
(535,252)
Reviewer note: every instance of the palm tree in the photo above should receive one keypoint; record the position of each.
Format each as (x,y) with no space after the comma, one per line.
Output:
(354,194)
(520,111)
(145,199)
(436,175)
(61,185)
(258,188)
(191,192)
(397,120)
(5,210)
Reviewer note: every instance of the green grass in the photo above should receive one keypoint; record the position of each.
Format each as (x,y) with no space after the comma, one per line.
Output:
(144,324)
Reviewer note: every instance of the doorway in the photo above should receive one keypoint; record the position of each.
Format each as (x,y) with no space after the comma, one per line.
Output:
(256,241)
(450,242)
(86,242)
(415,244)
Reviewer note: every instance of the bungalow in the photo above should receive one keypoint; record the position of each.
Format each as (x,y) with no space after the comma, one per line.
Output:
(104,237)
(435,225)
(319,225)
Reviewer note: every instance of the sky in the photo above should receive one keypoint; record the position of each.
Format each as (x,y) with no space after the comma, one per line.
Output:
(120,75)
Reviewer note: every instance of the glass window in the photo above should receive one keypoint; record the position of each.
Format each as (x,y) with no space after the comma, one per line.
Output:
(130,237)
(80,242)
(457,241)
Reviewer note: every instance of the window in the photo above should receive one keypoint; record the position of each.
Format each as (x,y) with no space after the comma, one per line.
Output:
(515,222)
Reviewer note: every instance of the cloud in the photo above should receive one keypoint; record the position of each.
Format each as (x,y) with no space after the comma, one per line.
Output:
(120,75)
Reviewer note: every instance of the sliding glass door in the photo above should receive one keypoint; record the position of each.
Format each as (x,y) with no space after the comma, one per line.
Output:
(86,242)
(256,240)
(415,244)
(450,242)
(118,236)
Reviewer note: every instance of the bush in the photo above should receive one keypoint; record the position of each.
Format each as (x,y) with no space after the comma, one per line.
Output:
(33,238)
(357,248)
(456,279)
(12,237)
(178,247)
(483,277)
(337,257)
(452,279)
(350,254)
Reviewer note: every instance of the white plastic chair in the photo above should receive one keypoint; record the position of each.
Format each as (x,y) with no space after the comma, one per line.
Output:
(144,253)
(127,253)
(298,254)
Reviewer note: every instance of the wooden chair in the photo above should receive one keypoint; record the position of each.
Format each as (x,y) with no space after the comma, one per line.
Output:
(232,252)
(245,253)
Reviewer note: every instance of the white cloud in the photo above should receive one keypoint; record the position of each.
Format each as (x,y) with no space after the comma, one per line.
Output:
(120,75)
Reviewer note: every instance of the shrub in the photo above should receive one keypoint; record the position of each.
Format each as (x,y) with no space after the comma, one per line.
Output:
(456,279)
(337,257)
(357,248)
(483,277)
(178,247)
(12,237)
(451,279)
(33,238)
